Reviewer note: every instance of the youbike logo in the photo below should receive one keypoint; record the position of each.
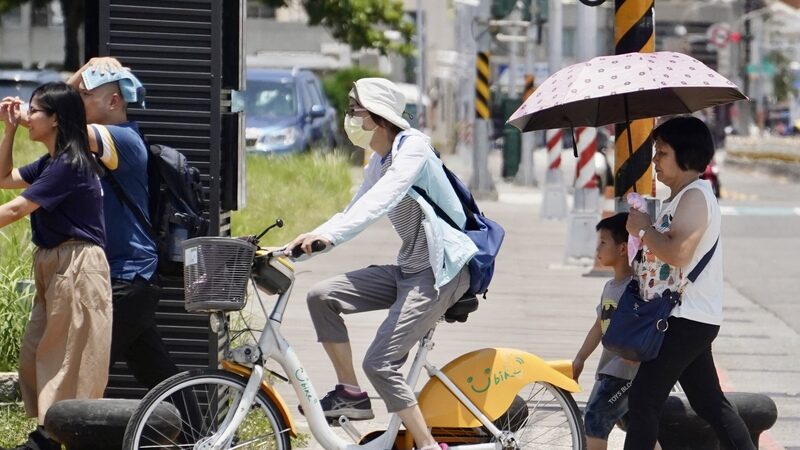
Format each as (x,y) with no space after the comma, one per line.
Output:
(305,385)
(498,377)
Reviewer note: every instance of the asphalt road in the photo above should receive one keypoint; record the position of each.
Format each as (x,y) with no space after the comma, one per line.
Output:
(762,220)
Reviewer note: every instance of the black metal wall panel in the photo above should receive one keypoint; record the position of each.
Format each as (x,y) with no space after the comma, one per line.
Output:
(176,48)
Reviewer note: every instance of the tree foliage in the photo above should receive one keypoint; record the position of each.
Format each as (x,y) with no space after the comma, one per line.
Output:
(360,23)
(783,80)
(73,11)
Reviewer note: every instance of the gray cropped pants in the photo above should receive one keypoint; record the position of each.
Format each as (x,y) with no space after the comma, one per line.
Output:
(414,307)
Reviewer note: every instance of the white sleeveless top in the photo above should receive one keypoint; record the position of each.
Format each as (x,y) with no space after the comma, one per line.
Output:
(702,300)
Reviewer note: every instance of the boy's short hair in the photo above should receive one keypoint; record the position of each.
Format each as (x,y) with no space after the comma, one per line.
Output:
(616,225)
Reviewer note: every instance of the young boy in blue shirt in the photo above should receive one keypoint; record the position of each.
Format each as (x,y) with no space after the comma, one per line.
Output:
(608,402)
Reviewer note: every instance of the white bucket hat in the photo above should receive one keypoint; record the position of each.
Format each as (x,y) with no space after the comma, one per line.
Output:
(381,97)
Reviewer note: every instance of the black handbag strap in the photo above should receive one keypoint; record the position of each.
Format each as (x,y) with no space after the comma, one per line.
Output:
(702,263)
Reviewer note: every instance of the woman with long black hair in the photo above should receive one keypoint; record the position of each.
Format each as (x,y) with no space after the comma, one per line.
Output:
(65,351)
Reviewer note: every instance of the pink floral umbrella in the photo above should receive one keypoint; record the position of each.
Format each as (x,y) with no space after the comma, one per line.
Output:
(621,88)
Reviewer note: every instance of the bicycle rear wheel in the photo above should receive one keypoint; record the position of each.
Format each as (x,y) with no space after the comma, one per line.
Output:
(188,408)
(543,416)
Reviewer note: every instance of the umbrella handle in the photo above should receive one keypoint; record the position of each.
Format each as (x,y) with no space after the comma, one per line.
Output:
(574,142)
(630,139)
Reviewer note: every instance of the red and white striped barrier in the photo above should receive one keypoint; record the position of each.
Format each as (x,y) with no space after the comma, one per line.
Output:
(584,170)
(465,132)
(554,202)
(553,149)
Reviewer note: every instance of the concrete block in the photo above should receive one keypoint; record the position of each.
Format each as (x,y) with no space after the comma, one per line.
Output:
(682,429)
(100,424)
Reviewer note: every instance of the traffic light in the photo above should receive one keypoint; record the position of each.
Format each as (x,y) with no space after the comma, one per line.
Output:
(542,8)
(502,8)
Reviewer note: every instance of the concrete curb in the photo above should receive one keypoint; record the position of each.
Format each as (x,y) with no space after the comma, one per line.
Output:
(765,163)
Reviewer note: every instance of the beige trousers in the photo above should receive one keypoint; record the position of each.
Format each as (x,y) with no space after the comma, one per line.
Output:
(65,350)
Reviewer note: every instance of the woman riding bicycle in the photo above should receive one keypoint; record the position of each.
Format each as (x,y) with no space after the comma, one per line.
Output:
(430,273)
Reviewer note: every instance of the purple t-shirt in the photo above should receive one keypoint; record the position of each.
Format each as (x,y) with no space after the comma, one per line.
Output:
(70,200)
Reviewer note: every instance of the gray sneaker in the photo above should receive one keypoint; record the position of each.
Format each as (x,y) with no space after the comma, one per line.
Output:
(339,402)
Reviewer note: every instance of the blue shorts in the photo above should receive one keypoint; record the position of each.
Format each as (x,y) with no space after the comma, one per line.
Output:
(607,404)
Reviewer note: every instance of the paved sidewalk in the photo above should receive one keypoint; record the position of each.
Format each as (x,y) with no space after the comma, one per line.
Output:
(535,304)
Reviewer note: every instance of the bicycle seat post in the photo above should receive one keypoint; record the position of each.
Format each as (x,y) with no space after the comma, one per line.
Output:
(421,358)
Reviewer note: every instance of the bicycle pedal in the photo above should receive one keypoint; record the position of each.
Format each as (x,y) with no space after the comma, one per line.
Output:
(348,428)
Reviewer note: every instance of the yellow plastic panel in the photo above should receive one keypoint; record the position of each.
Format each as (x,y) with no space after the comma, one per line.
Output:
(490,378)
(272,394)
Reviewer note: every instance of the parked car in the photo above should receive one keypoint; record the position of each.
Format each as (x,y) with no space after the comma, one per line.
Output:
(286,111)
(21,83)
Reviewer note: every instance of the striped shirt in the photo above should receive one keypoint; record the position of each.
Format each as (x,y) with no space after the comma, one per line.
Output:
(406,218)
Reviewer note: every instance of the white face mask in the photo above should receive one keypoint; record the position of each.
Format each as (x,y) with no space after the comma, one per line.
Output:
(358,135)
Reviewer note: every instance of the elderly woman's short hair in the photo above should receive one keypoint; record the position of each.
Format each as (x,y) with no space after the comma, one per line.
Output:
(691,140)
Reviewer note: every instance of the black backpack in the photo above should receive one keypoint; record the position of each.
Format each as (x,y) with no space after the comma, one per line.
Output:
(177,207)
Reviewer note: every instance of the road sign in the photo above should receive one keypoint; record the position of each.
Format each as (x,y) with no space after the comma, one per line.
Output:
(718,34)
(765,68)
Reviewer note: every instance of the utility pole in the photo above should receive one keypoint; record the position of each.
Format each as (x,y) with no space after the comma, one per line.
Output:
(554,33)
(481,183)
(420,64)
(465,14)
(634,31)
(525,175)
(554,198)
(586,193)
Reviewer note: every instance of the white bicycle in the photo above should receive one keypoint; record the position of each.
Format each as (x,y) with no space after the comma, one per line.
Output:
(489,399)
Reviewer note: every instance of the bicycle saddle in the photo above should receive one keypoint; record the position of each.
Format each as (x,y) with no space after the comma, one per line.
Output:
(461,309)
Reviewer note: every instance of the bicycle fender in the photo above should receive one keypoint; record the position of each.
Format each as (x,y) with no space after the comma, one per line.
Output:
(490,378)
(271,393)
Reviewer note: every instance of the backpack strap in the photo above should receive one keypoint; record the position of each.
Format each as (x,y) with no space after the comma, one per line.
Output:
(439,212)
(123,197)
(422,193)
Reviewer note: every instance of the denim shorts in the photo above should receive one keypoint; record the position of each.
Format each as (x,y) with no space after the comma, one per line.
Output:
(607,404)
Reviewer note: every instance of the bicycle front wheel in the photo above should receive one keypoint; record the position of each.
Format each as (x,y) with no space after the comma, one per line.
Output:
(190,407)
(543,416)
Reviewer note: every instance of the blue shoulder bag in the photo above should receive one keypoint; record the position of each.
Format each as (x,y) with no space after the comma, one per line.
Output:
(637,326)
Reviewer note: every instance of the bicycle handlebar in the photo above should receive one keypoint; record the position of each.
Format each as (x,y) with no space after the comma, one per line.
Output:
(316,246)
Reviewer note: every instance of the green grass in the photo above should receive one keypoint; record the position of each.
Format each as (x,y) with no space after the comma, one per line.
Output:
(14,426)
(16,252)
(303,190)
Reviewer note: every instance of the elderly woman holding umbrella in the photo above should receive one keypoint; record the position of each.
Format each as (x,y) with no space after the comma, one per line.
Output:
(684,231)
(620,89)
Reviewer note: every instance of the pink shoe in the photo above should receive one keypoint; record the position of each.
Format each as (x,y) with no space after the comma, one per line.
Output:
(439,446)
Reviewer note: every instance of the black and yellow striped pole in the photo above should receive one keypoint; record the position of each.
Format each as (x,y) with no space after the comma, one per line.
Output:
(482,79)
(634,32)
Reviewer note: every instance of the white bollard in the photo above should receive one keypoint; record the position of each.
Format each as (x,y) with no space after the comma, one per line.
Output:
(554,200)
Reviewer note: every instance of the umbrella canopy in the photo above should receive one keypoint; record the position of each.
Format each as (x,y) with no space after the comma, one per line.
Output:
(621,88)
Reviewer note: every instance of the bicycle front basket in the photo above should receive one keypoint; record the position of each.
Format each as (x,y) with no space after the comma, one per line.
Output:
(215,273)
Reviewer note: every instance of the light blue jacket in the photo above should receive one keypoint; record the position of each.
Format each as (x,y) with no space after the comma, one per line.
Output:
(415,164)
